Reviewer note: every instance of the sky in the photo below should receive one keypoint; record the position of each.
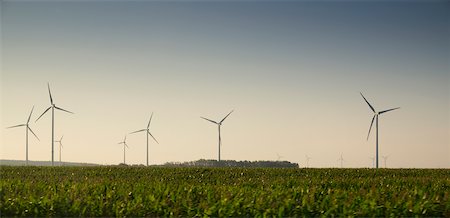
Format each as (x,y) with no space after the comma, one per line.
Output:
(292,72)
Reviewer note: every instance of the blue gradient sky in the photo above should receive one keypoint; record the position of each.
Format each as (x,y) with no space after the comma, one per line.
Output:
(292,70)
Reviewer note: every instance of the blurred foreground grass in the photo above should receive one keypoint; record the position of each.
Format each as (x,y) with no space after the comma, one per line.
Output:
(157,191)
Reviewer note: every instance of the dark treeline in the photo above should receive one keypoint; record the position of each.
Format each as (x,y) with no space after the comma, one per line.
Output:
(234,163)
(197,163)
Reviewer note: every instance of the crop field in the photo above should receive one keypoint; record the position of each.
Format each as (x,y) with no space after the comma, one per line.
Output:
(237,192)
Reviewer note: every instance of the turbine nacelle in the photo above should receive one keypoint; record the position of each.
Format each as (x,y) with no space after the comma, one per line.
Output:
(124,142)
(219,124)
(53,107)
(60,141)
(376,115)
(26,125)
(147,132)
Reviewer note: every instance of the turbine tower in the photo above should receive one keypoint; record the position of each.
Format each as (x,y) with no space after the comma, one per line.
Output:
(219,124)
(60,147)
(147,130)
(376,114)
(124,142)
(26,133)
(307,160)
(53,107)
(341,159)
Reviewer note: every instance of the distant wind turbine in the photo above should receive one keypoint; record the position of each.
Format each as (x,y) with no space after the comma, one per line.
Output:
(26,133)
(60,148)
(147,130)
(341,159)
(124,142)
(307,160)
(279,157)
(385,159)
(53,107)
(375,116)
(219,124)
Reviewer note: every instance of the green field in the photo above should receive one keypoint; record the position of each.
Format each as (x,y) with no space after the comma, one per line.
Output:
(237,192)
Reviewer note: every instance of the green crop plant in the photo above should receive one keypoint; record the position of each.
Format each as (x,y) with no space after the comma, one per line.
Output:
(237,192)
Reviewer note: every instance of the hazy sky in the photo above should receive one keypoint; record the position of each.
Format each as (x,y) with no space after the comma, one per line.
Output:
(291,70)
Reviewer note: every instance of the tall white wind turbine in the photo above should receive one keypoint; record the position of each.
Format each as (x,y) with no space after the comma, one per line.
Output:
(219,124)
(60,148)
(147,130)
(26,133)
(124,142)
(376,114)
(53,107)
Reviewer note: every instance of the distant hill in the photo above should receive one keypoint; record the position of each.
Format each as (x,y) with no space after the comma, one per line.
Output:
(42,163)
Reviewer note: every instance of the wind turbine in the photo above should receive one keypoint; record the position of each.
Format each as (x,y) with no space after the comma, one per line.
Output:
(124,145)
(307,160)
(26,133)
(385,159)
(279,157)
(341,159)
(219,124)
(147,133)
(375,116)
(60,147)
(53,107)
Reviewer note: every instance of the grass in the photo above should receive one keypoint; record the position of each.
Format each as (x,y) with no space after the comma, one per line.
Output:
(156,191)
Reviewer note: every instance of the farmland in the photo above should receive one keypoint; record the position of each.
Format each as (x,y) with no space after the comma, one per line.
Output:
(166,191)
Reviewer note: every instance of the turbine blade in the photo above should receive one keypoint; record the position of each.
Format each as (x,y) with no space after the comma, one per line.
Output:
(226,116)
(381,112)
(371,126)
(33,133)
(29,117)
(368,103)
(138,131)
(16,126)
(43,114)
(63,110)
(212,121)
(50,94)
(148,125)
(152,137)
(126,145)
(125,139)
(61,138)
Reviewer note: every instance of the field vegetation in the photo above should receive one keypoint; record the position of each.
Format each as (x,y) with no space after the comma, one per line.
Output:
(191,191)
